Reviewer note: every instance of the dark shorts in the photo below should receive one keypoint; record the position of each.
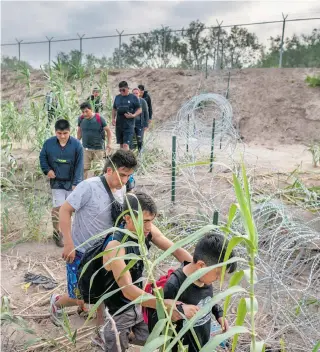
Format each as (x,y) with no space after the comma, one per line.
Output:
(124,134)
(72,280)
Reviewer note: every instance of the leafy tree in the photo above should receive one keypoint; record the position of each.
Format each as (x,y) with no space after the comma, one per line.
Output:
(155,49)
(241,48)
(194,52)
(298,51)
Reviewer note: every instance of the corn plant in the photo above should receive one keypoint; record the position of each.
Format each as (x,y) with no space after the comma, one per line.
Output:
(250,241)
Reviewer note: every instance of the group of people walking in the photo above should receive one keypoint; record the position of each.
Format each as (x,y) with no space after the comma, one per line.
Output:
(84,207)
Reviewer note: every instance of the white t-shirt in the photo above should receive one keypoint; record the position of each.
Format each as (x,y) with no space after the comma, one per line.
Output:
(92,206)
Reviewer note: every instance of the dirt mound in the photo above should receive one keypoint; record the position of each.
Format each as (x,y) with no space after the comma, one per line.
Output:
(270,105)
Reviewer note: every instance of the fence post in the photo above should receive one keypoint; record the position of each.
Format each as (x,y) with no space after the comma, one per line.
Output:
(19,48)
(173,166)
(218,65)
(119,50)
(188,125)
(49,42)
(282,38)
(215,219)
(212,144)
(81,37)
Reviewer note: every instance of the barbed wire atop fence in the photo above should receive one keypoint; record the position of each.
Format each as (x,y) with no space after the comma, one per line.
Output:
(167,29)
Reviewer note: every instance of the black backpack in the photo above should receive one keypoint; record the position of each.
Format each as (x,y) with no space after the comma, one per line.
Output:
(93,270)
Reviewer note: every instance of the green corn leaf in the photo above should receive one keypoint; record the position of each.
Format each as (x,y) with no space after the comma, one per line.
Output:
(245,211)
(216,340)
(157,330)
(155,344)
(247,276)
(234,280)
(105,296)
(316,348)
(139,300)
(128,267)
(197,274)
(255,305)
(232,213)
(124,245)
(232,244)
(259,347)
(241,314)
(186,240)
(246,187)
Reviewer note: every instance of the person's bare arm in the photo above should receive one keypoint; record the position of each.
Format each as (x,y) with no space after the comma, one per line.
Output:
(109,137)
(79,134)
(164,243)
(132,292)
(114,115)
(65,215)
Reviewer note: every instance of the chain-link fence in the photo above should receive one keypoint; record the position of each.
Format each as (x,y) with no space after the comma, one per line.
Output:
(262,44)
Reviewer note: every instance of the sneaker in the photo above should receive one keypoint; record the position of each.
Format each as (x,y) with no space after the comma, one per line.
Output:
(56,313)
(97,341)
(58,238)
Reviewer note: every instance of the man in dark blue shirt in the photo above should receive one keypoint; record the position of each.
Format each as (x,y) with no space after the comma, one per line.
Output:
(126,107)
(61,159)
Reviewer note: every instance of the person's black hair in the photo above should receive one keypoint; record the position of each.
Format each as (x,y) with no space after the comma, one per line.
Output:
(62,125)
(145,201)
(85,105)
(123,84)
(211,249)
(141,86)
(121,158)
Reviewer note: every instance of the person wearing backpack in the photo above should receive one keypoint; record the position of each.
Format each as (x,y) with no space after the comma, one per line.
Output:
(61,160)
(93,204)
(209,251)
(92,128)
(113,277)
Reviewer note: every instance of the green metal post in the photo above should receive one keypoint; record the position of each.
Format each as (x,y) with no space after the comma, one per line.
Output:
(188,126)
(212,144)
(173,179)
(215,217)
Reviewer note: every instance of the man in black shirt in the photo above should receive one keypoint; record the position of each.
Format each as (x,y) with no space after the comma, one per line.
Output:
(208,251)
(126,108)
(117,278)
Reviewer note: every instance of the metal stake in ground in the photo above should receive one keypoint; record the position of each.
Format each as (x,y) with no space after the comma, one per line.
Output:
(212,144)
(173,167)
(215,217)
(188,125)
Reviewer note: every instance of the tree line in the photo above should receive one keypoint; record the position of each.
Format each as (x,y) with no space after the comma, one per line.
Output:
(196,46)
